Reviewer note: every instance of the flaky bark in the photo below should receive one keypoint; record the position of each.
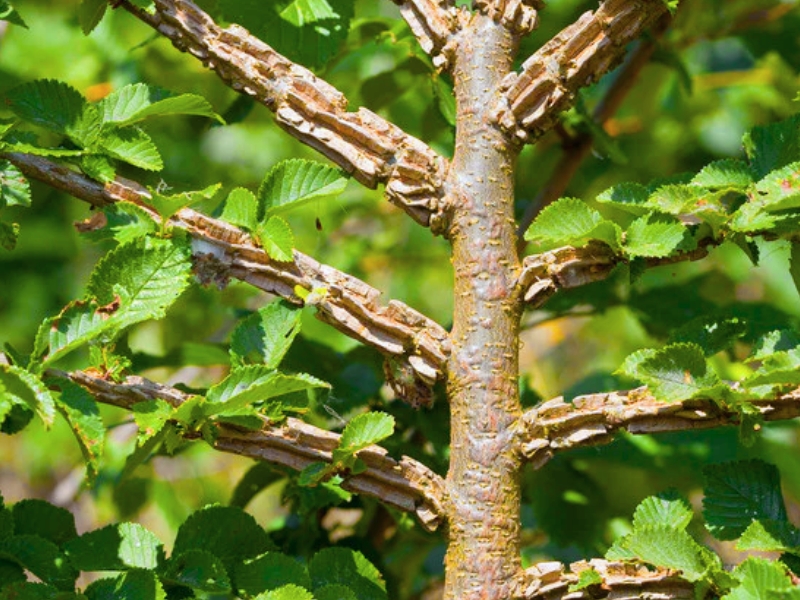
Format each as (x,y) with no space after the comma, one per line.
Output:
(417,345)
(403,484)
(364,144)
(576,57)
(594,419)
(434,23)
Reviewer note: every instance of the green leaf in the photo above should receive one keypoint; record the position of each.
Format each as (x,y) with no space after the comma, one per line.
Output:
(136,584)
(287,592)
(144,450)
(727,174)
(348,568)
(679,372)
(99,167)
(15,190)
(757,576)
(630,197)
(124,222)
(676,199)
(779,368)
(168,204)
(445,98)
(83,416)
(570,221)
(228,532)
(199,570)
(265,336)
(794,265)
(90,13)
(303,12)
(18,386)
(134,282)
(738,492)
(241,209)
(362,431)
(665,510)
(653,236)
(133,146)
(712,334)
(586,578)
(277,239)
(779,340)
(769,535)
(37,517)
(48,103)
(268,572)
(9,235)
(8,13)
(773,146)
(295,182)
(117,547)
(666,547)
(11,573)
(254,384)
(150,417)
(42,558)
(134,103)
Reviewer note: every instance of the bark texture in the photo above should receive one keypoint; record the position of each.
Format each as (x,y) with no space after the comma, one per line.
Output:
(483,559)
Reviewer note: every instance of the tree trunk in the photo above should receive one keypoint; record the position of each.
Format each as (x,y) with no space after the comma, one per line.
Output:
(483,559)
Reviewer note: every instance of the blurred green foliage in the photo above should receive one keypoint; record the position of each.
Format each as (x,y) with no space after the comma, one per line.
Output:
(723,67)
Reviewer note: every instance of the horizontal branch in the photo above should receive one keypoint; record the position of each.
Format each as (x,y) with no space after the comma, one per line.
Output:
(620,581)
(362,143)
(416,345)
(593,419)
(403,484)
(519,16)
(434,23)
(575,58)
(566,268)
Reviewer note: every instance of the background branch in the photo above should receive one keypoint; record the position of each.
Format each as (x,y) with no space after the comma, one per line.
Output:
(576,57)
(403,484)
(362,143)
(417,345)
(593,419)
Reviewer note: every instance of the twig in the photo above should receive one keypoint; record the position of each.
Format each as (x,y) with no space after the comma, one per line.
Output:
(620,581)
(364,144)
(403,484)
(417,345)
(576,57)
(434,23)
(590,420)
(577,148)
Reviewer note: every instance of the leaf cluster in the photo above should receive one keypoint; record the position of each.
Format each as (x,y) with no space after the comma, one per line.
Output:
(217,550)
(742,502)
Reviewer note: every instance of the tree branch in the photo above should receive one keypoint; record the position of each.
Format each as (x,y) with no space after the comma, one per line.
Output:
(593,419)
(620,581)
(577,148)
(565,268)
(416,345)
(403,484)
(519,16)
(362,143)
(576,57)
(434,23)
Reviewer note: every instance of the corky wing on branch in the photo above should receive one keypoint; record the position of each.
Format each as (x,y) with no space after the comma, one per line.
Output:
(531,101)
(415,344)
(403,484)
(434,23)
(519,16)
(594,419)
(364,144)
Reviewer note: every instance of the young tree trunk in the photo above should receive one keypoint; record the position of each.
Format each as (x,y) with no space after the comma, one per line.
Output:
(483,558)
